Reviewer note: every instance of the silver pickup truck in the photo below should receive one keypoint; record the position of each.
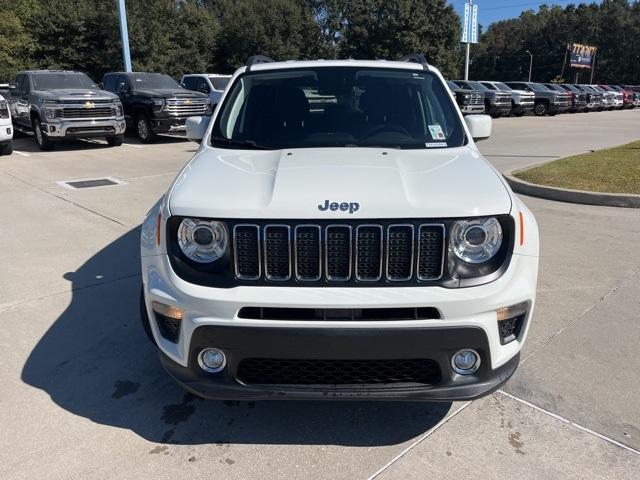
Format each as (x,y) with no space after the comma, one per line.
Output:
(57,105)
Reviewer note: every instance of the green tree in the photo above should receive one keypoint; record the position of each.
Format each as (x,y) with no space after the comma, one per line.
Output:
(281,29)
(16,46)
(388,30)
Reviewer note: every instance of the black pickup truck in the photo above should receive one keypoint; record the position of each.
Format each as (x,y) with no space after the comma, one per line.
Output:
(155,103)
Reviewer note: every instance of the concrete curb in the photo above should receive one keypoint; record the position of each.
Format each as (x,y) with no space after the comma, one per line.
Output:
(572,196)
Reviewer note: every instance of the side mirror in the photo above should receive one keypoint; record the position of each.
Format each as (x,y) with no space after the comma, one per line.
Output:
(122,88)
(196,128)
(479,126)
(100,86)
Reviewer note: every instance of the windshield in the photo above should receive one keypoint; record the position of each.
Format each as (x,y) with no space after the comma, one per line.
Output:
(338,107)
(478,86)
(502,86)
(143,81)
(538,88)
(490,86)
(59,81)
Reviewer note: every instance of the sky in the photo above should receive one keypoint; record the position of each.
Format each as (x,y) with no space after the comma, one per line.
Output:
(490,11)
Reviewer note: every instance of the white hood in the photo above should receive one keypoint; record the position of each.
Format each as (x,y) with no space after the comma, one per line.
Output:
(290,184)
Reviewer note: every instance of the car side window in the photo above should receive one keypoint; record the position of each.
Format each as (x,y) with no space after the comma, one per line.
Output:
(23,87)
(203,86)
(190,83)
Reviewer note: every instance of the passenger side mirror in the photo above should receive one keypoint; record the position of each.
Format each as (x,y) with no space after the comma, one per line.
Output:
(100,86)
(479,126)
(196,128)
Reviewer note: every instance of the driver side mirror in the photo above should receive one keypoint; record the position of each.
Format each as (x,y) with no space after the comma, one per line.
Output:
(479,126)
(196,128)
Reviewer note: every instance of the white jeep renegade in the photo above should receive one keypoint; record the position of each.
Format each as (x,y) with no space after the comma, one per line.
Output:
(339,236)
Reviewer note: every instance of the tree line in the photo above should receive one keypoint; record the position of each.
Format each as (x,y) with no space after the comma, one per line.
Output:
(612,26)
(181,36)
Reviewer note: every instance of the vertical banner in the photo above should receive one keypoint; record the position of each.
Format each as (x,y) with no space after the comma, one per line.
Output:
(474,24)
(465,24)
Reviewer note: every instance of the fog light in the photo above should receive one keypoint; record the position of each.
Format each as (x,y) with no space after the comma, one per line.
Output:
(465,362)
(212,360)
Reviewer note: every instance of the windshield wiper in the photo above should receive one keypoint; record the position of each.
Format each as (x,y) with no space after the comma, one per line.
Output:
(240,143)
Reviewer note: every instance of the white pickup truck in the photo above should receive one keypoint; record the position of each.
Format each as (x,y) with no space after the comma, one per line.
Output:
(6,128)
(338,235)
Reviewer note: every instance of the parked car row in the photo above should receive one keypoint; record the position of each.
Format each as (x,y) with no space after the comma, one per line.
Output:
(55,105)
(518,98)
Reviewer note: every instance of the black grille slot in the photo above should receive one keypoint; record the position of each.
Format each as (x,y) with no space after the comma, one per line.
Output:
(247,251)
(307,252)
(338,252)
(369,252)
(400,252)
(340,314)
(273,371)
(277,251)
(430,252)
(169,327)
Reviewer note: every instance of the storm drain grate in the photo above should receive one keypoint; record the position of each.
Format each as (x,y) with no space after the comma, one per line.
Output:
(91,183)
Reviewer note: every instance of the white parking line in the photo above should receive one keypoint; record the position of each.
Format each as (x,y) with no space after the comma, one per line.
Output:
(24,154)
(569,422)
(132,146)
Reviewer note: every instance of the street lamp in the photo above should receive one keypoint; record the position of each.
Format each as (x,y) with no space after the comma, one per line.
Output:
(530,63)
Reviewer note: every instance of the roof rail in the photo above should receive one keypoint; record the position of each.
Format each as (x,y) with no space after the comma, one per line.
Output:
(416,58)
(256,59)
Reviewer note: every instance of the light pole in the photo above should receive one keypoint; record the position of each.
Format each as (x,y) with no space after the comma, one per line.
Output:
(124,35)
(530,63)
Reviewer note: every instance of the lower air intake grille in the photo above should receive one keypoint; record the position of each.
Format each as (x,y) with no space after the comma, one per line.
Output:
(270,371)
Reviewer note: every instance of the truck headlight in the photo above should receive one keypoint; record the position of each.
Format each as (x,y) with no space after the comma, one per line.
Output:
(119,111)
(202,241)
(51,113)
(476,241)
(4,109)
(158,104)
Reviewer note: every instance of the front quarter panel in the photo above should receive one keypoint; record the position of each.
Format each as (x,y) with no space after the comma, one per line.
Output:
(152,231)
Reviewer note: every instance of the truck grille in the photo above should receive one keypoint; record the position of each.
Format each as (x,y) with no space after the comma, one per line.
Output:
(81,112)
(339,252)
(275,371)
(185,107)
(476,99)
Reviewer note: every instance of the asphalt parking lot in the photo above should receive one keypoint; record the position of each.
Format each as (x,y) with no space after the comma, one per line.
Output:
(84,396)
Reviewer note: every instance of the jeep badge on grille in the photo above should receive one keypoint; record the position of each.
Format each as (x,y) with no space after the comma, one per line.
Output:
(351,207)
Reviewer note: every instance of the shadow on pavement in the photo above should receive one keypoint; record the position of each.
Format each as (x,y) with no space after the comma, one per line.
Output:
(96,362)
(27,144)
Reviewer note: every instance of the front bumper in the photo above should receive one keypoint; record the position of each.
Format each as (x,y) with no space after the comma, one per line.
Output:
(170,124)
(468,320)
(472,109)
(84,128)
(240,343)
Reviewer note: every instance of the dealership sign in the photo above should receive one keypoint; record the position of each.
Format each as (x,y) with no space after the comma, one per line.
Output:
(582,56)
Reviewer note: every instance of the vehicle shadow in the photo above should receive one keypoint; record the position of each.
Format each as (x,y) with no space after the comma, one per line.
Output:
(96,362)
(27,144)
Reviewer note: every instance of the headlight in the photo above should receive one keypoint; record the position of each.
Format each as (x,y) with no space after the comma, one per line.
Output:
(202,241)
(51,113)
(119,111)
(158,104)
(476,241)
(4,109)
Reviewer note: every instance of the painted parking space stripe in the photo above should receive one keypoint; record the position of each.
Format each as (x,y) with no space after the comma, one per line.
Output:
(132,146)
(24,154)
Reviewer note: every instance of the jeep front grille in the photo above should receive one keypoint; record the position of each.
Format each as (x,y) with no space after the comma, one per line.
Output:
(333,253)
(185,107)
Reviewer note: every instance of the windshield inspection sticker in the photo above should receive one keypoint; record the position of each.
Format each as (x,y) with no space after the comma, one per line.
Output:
(436,132)
(435,144)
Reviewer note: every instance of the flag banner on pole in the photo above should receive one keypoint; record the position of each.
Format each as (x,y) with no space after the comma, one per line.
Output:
(465,24)
(474,25)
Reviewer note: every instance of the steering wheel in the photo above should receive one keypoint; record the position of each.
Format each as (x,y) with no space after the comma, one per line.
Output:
(386,128)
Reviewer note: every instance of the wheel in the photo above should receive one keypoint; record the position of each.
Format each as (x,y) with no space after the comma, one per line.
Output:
(143,129)
(6,148)
(540,109)
(42,140)
(115,141)
(144,318)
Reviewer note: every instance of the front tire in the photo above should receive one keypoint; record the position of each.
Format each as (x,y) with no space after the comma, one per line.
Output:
(6,149)
(143,129)
(115,141)
(42,140)
(541,109)
(144,318)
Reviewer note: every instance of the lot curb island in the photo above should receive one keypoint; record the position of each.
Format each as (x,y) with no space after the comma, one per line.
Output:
(625,200)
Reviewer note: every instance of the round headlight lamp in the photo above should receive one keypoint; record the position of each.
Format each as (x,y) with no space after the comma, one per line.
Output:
(476,241)
(203,241)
